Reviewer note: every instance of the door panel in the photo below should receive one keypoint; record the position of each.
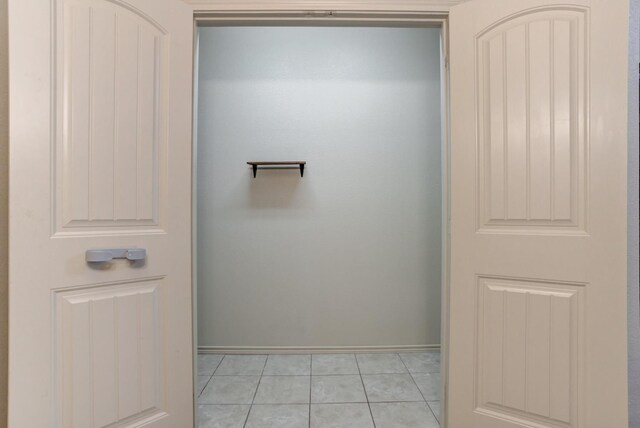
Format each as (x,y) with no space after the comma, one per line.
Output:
(538,241)
(101,96)
(108,340)
(531,137)
(528,356)
(112,81)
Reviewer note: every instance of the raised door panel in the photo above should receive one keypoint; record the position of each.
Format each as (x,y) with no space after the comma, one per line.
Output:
(532,144)
(530,351)
(109,172)
(109,369)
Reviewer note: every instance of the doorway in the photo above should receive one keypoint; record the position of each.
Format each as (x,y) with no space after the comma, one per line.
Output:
(116,177)
(320,289)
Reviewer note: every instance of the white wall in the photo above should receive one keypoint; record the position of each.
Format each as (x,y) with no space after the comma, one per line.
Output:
(349,255)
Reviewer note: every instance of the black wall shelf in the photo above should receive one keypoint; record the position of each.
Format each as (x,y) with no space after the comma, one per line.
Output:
(277,165)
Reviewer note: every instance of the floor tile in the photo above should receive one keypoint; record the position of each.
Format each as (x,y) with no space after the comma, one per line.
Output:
(241,365)
(215,416)
(334,364)
(435,407)
(337,389)
(202,382)
(288,365)
(380,363)
(422,362)
(208,363)
(391,387)
(341,416)
(429,384)
(229,390)
(283,390)
(405,415)
(278,416)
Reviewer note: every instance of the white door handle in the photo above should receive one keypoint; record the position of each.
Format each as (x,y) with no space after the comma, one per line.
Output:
(101,256)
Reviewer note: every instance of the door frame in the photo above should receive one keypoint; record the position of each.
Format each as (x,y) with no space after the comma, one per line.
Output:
(368,13)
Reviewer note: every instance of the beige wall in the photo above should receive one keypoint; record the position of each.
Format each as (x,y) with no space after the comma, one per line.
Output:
(633,216)
(4,163)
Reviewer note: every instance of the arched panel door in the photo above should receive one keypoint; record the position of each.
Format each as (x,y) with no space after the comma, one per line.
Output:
(538,228)
(100,159)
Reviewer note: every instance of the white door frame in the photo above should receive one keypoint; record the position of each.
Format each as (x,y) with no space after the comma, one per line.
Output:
(381,13)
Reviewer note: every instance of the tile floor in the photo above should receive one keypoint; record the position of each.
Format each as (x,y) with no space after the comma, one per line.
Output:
(319,391)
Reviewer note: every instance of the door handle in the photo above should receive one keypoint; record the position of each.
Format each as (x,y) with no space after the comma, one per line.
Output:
(101,256)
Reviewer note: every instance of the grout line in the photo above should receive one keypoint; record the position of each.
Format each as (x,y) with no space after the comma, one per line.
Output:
(256,392)
(249,375)
(414,381)
(219,364)
(365,390)
(205,386)
(362,402)
(318,404)
(210,378)
(310,386)
(226,404)
(433,412)
(322,375)
(420,391)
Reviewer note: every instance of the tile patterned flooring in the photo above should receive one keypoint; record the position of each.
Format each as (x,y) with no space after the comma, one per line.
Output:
(319,391)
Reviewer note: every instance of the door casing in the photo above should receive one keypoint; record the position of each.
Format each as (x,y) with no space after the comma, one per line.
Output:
(396,14)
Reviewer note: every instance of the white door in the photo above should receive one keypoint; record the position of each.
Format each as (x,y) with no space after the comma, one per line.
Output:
(538,232)
(100,158)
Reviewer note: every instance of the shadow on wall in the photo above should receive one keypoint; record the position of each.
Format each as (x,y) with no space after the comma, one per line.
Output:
(276,189)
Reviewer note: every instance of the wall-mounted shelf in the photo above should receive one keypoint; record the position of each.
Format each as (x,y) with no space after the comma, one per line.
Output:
(278,165)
